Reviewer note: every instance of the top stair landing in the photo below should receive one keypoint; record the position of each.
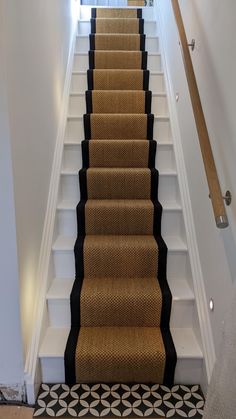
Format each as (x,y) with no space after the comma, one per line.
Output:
(85,12)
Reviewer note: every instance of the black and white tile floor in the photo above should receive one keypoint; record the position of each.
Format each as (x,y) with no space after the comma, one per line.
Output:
(119,400)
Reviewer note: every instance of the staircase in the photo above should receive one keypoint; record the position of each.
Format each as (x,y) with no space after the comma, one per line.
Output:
(184,320)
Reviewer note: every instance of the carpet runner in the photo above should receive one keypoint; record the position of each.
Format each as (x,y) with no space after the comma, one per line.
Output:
(136,3)
(120,301)
(132,42)
(115,80)
(117,59)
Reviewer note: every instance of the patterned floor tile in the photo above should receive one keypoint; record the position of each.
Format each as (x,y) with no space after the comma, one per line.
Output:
(119,400)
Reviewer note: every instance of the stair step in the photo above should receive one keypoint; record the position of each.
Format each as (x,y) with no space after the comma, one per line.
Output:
(72,158)
(114,101)
(84,27)
(127,354)
(83,45)
(64,261)
(130,183)
(61,288)
(172,219)
(77,103)
(77,142)
(168,189)
(63,243)
(79,81)
(75,128)
(74,172)
(70,205)
(189,355)
(81,62)
(58,299)
(85,11)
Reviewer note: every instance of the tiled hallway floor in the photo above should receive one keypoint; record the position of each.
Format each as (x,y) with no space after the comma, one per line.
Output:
(119,400)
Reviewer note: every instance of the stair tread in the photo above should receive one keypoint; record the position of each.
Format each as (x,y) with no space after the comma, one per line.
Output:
(88,20)
(84,73)
(156,117)
(77,142)
(66,243)
(153,54)
(71,205)
(154,94)
(147,36)
(61,289)
(167,143)
(71,172)
(54,343)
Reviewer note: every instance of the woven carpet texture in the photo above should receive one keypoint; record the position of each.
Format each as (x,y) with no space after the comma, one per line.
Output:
(120,301)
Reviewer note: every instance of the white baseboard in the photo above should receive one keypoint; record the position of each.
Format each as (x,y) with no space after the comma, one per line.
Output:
(198,280)
(32,372)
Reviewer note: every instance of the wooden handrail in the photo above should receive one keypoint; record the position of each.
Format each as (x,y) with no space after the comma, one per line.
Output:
(207,155)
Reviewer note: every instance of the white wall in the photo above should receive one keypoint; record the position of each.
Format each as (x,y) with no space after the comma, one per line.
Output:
(212,24)
(11,354)
(38,35)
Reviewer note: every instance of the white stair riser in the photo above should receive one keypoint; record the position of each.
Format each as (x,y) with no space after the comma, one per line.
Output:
(72,157)
(66,222)
(52,370)
(172,223)
(165,160)
(60,315)
(64,264)
(75,130)
(81,62)
(83,45)
(79,83)
(85,12)
(168,188)
(187,370)
(77,104)
(84,27)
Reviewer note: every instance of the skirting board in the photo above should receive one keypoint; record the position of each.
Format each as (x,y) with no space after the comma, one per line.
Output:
(198,280)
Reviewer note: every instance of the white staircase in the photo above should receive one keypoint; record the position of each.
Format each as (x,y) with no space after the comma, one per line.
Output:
(184,320)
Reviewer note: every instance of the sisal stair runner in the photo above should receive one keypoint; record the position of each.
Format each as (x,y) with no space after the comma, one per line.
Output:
(118,79)
(132,42)
(120,301)
(136,3)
